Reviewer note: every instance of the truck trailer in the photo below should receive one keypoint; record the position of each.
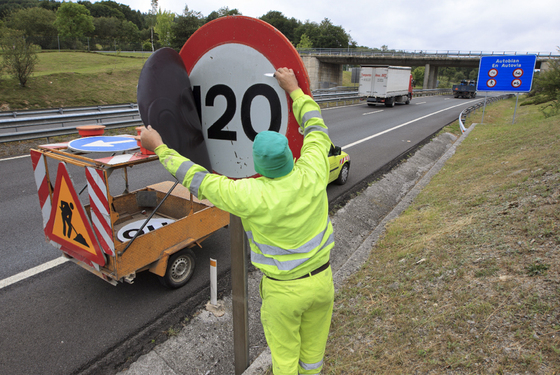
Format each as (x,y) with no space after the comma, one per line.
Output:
(386,84)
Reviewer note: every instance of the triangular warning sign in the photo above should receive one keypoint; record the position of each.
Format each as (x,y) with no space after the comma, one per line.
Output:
(68,224)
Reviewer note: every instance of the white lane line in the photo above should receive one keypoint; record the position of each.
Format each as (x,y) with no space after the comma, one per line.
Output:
(32,272)
(371,113)
(420,103)
(401,125)
(16,157)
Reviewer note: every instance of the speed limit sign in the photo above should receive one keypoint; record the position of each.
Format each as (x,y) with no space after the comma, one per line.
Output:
(229,62)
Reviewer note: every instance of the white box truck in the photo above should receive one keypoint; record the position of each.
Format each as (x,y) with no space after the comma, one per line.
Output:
(386,84)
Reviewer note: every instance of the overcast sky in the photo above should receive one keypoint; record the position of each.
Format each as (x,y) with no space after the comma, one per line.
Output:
(465,25)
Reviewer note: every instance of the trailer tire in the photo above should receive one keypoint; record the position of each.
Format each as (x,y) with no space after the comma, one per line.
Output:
(180,269)
(408,98)
(390,102)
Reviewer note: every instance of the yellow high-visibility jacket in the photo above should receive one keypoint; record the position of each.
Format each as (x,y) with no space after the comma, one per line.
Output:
(286,219)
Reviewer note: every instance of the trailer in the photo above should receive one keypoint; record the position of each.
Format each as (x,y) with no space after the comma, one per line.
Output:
(386,84)
(116,236)
(466,89)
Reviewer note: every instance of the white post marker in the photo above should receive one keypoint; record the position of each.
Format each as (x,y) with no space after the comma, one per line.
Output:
(213,282)
(215,307)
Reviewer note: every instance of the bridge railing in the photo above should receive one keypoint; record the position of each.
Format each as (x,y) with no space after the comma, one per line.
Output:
(418,53)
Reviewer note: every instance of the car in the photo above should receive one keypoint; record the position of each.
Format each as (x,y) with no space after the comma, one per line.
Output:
(339,162)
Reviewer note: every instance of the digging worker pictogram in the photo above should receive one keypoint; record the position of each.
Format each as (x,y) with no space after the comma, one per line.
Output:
(285,216)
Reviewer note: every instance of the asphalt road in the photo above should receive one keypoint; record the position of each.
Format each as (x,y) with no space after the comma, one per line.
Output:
(64,320)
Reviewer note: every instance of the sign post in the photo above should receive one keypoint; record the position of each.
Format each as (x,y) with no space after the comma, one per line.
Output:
(506,73)
(229,62)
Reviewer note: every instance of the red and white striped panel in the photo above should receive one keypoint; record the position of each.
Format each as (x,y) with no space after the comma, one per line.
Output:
(40,171)
(100,212)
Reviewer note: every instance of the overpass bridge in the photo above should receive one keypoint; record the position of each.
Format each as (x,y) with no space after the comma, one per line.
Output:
(324,66)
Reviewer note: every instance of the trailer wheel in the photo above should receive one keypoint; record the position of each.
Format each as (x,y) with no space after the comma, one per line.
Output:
(407,99)
(390,102)
(180,268)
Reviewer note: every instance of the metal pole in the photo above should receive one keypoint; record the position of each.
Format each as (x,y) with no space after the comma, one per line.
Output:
(515,110)
(483,108)
(239,291)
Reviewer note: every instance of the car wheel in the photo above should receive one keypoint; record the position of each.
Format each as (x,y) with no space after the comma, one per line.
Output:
(180,268)
(343,175)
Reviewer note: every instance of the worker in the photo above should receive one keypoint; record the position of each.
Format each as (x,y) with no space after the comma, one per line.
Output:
(285,216)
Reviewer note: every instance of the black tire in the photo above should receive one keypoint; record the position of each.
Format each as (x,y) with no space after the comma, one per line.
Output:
(408,98)
(343,175)
(390,102)
(180,269)
(474,95)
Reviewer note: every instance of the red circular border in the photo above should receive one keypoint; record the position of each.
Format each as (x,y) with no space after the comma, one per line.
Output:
(264,38)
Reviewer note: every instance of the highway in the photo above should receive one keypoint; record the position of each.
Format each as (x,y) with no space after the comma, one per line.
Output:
(64,319)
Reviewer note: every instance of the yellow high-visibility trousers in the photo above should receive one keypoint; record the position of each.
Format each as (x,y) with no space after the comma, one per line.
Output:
(296,317)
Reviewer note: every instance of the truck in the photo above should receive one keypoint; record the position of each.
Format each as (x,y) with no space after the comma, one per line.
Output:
(466,89)
(386,84)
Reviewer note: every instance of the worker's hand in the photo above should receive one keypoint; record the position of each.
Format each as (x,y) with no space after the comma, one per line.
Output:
(150,138)
(287,79)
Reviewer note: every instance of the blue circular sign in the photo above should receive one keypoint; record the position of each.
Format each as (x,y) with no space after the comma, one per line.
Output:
(103,143)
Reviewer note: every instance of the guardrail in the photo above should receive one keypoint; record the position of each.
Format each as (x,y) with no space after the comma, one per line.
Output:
(473,108)
(65,121)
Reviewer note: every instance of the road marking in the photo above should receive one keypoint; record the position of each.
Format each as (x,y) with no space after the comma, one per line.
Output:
(401,125)
(370,113)
(15,157)
(32,272)
(420,103)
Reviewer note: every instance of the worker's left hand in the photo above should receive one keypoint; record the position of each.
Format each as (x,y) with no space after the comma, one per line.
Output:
(150,138)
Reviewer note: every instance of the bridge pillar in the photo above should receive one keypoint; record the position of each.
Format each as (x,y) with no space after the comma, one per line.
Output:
(322,75)
(430,77)
(433,77)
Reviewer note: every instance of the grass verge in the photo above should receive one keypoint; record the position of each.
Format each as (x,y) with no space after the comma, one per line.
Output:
(466,279)
(73,79)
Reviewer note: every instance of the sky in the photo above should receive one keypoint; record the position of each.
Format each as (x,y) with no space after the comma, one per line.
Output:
(412,25)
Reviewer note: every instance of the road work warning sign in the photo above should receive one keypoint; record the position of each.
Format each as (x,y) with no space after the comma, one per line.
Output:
(68,224)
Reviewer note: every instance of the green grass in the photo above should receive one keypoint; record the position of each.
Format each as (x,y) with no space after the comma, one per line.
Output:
(485,297)
(70,79)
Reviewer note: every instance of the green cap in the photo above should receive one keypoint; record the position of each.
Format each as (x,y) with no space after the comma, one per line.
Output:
(272,155)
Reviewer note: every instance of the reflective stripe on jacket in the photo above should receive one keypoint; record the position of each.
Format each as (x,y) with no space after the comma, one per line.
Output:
(286,219)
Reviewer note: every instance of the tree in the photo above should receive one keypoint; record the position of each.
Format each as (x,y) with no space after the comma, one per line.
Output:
(304,42)
(185,26)
(283,24)
(332,36)
(73,20)
(19,56)
(33,22)
(546,89)
(222,12)
(153,15)
(164,20)
(418,75)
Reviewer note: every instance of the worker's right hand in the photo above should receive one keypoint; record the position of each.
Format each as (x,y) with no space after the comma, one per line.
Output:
(287,79)
(150,138)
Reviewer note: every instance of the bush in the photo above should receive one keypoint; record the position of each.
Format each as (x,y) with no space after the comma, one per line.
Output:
(546,89)
(19,56)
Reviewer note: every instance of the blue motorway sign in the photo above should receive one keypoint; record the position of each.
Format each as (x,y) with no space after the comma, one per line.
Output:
(103,143)
(506,73)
